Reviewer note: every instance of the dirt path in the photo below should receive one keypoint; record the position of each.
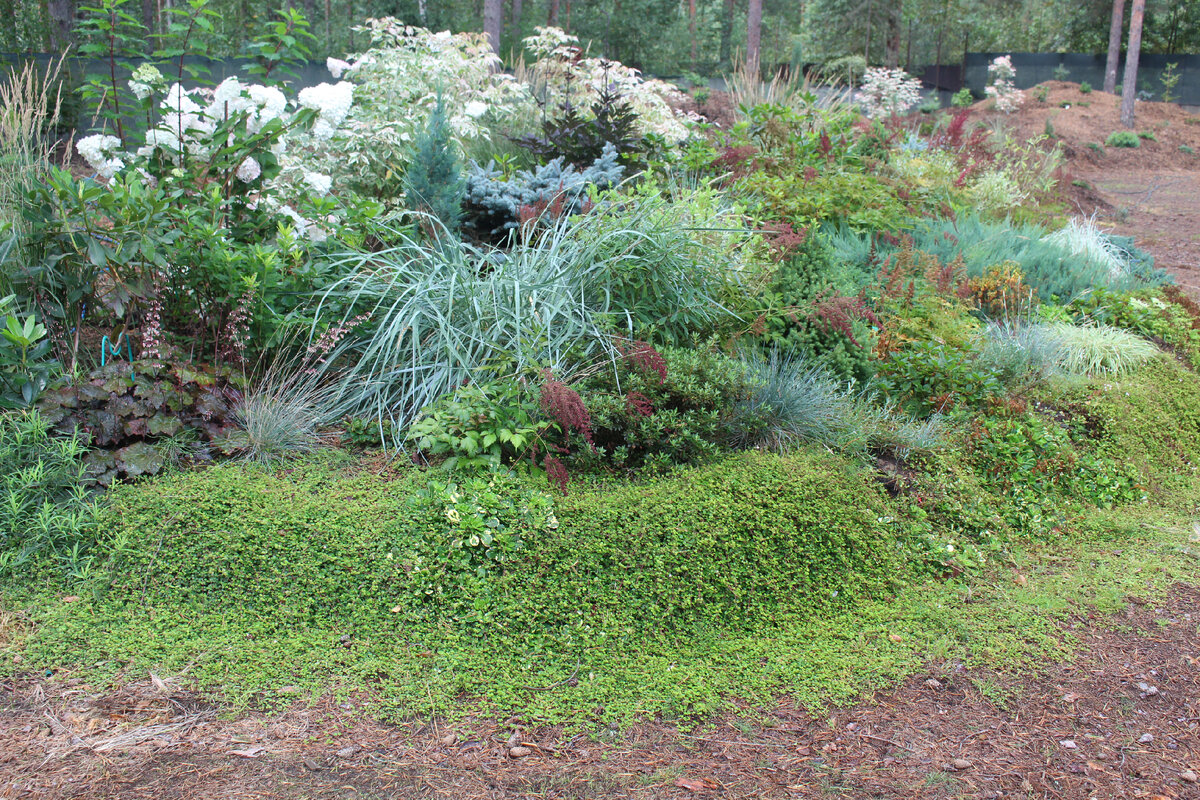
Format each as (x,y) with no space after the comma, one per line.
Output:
(1160,207)
(1121,720)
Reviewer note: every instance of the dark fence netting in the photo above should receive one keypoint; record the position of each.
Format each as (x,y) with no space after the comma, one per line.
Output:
(1034,68)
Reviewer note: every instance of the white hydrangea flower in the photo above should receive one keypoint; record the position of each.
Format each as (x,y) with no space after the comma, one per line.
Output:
(336,66)
(318,182)
(160,139)
(332,102)
(230,93)
(144,80)
(180,101)
(248,170)
(269,104)
(298,222)
(475,109)
(100,152)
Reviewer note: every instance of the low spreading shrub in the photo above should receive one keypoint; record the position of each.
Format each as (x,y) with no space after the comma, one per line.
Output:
(1123,139)
(481,425)
(1029,460)
(928,377)
(656,408)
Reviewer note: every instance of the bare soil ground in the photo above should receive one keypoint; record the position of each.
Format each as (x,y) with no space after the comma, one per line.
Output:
(1120,720)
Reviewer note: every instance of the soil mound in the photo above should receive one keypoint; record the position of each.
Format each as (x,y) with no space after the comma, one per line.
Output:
(1081,122)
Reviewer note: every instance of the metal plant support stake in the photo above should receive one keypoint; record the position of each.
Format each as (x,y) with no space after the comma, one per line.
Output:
(108,348)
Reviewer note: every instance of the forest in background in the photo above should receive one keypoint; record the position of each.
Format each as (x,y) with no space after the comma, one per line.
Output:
(672,37)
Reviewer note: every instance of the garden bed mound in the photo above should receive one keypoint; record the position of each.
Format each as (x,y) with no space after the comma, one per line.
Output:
(1078,120)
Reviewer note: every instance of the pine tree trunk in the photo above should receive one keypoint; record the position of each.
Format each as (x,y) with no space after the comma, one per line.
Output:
(514,23)
(493,13)
(1114,46)
(892,43)
(1129,90)
(149,14)
(552,14)
(867,46)
(62,23)
(753,36)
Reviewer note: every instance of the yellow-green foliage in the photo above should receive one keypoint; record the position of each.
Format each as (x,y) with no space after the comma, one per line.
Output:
(1150,418)
(730,544)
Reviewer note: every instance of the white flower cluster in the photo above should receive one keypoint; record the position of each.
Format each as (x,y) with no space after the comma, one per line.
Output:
(248,171)
(332,102)
(261,104)
(101,154)
(888,92)
(1001,88)
(571,77)
(146,80)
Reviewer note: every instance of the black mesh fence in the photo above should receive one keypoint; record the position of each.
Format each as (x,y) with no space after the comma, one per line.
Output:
(1034,68)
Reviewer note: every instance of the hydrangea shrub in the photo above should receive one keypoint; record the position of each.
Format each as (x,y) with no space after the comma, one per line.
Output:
(888,92)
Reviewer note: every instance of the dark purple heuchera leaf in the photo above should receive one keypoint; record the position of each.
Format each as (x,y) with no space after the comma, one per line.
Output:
(140,458)
(126,415)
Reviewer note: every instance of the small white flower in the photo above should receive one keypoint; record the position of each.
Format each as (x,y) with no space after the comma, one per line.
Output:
(475,109)
(248,170)
(336,66)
